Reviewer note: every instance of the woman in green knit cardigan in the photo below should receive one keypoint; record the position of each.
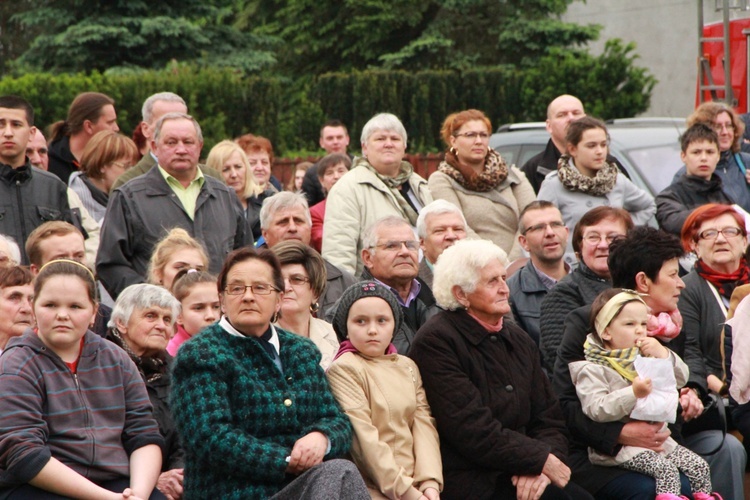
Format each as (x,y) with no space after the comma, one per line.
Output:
(251,403)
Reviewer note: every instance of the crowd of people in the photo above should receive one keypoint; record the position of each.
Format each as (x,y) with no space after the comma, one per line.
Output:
(173,327)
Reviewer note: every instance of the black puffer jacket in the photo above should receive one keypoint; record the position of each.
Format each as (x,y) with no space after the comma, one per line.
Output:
(575,290)
(674,204)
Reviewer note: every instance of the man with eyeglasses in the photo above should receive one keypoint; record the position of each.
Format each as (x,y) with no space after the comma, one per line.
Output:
(390,254)
(543,236)
(561,111)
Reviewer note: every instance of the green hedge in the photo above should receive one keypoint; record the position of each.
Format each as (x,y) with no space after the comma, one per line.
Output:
(289,113)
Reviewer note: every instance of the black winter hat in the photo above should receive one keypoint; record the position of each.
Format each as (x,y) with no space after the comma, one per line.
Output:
(359,291)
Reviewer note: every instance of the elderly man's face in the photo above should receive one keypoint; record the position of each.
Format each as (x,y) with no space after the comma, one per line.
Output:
(178,149)
(443,231)
(37,151)
(287,224)
(385,150)
(160,109)
(395,256)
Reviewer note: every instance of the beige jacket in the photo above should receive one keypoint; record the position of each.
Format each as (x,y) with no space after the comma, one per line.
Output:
(324,338)
(395,443)
(493,215)
(357,200)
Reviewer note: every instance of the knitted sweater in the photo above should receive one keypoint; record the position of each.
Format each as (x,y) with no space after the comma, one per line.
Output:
(238,416)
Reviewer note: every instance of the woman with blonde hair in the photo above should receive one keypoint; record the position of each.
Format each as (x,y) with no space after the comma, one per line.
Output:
(230,159)
(477,180)
(107,156)
(176,251)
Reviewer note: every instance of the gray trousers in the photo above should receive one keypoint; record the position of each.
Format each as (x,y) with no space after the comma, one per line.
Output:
(727,465)
(334,479)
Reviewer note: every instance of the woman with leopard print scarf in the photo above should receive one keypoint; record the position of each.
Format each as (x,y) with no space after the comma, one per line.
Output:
(584,180)
(475,178)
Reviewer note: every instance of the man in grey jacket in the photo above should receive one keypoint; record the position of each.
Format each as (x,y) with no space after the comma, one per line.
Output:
(174,193)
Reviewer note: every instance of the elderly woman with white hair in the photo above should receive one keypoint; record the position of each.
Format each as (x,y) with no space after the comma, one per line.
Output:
(141,324)
(10,253)
(380,183)
(502,432)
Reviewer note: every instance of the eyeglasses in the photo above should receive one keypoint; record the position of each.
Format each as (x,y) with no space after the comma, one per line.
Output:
(712,234)
(473,135)
(395,246)
(257,288)
(718,127)
(297,279)
(595,238)
(543,226)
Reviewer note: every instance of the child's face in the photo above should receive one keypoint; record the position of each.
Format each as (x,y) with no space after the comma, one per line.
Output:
(700,158)
(370,325)
(627,327)
(200,308)
(63,313)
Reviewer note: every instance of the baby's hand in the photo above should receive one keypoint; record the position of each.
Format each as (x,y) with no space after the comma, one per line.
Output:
(641,387)
(651,348)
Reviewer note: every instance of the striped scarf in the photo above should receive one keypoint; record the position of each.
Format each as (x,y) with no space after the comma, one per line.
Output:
(619,359)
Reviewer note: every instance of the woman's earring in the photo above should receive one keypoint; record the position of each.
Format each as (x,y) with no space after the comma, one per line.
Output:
(275,317)
(314,307)
(453,151)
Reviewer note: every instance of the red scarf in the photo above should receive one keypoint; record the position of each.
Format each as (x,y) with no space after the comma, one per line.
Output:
(724,283)
(347,346)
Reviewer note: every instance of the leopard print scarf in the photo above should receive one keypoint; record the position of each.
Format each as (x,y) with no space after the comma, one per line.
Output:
(495,172)
(599,185)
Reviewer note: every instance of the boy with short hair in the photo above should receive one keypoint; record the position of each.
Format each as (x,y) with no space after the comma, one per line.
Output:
(698,186)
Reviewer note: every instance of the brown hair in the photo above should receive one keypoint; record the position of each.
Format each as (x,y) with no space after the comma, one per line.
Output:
(66,268)
(330,161)
(295,252)
(105,148)
(15,276)
(595,216)
(176,239)
(304,166)
(244,254)
(575,130)
(697,217)
(455,121)
(186,279)
(41,233)
(707,112)
(86,106)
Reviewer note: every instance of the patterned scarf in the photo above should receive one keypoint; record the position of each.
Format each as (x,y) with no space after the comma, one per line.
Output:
(152,367)
(394,184)
(665,326)
(724,283)
(619,359)
(495,172)
(599,185)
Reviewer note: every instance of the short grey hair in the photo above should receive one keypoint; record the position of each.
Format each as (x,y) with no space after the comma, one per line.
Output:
(142,296)
(383,121)
(147,111)
(176,116)
(370,234)
(283,201)
(13,249)
(437,207)
(460,265)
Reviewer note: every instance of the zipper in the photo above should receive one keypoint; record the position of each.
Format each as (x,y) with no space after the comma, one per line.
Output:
(20,210)
(87,423)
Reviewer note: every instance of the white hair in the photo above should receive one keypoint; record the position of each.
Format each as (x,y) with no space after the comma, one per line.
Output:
(370,234)
(460,265)
(147,110)
(284,200)
(437,207)
(383,121)
(142,296)
(13,249)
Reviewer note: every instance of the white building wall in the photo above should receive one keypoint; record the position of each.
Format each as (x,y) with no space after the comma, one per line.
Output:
(666,35)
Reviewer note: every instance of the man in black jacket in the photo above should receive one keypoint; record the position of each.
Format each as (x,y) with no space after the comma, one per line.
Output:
(28,196)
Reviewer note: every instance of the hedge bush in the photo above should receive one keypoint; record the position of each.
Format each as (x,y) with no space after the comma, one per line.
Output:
(289,113)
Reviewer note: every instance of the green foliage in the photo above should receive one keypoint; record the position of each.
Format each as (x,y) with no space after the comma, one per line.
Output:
(290,112)
(611,85)
(87,35)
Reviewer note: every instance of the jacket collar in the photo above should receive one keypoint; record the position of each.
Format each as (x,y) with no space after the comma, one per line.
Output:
(157,185)
(529,280)
(589,274)
(21,174)
(473,331)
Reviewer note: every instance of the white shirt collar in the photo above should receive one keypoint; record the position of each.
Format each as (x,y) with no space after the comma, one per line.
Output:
(227,326)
